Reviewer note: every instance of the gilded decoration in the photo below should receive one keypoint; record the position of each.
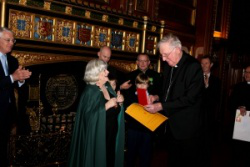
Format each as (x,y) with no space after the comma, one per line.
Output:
(135,24)
(84,34)
(153,28)
(68,10)
(151,42)
(28,59)
(47,5)
(61,91)
(121,21)
(126,66)
(21,23)
(22,2)
(105,18)
(87,14)
(101,36)
(132,42)
(117,41)
(43,28)
(64,31)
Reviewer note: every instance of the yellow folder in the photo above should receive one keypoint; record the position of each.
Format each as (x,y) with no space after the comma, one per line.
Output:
(151,121)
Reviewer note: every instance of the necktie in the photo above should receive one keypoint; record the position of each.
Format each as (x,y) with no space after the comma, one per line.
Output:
(206,80)
(4,63)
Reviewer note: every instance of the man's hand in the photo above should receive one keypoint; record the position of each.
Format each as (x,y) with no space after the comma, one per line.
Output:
(125,85)
(153,108)
(21,74)
(243,110)
(152,98)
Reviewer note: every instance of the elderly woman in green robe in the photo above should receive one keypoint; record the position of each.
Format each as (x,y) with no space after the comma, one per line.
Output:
(88,144)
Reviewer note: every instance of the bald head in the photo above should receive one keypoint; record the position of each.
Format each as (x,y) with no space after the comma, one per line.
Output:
(104,54)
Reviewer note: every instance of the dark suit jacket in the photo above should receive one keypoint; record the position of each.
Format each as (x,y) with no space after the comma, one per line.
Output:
(240,96)
(211,99)
(183,106)
(6,86)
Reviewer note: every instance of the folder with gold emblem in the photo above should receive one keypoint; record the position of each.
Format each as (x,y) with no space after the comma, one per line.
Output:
(151,121)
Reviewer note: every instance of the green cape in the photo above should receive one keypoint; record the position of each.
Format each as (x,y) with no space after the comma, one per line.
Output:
(88,144)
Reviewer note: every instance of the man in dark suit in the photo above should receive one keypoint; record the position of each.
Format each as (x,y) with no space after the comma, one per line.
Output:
(183,86)
(211,100)
(240,99)
(10,75)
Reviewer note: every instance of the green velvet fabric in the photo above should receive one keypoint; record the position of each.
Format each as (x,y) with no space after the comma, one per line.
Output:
(88,144)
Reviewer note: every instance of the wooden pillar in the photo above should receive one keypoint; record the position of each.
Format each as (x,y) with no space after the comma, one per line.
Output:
(161,36)
(144,33)
(3,8)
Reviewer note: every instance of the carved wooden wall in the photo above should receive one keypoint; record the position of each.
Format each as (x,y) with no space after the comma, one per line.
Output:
(74,28)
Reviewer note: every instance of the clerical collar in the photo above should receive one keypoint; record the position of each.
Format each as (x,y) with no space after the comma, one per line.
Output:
(248,83)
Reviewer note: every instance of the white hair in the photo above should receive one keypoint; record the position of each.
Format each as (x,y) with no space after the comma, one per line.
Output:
(3,29)
(172,40)
(93,69)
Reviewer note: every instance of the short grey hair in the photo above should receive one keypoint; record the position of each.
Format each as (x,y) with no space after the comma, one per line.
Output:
(172,40)
(2,29)
(93,69)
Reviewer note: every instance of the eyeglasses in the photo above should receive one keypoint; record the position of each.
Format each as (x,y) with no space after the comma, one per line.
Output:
(167,55)
(9,40)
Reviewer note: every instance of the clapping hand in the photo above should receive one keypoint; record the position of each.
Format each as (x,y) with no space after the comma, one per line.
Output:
(21,74)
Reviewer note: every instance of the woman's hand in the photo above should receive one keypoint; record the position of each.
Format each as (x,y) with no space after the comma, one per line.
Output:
(120,98)
(111,103)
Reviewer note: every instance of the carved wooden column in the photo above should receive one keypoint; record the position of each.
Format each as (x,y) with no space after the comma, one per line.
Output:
(161,36)
(3,7)
(144,34)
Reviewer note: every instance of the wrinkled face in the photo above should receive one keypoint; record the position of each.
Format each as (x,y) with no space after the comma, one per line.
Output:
(6,42)
(113,84)
(143,62)
(105,55)
(142,86)
(247,74)
(103,76)
(206,65)
(170,54)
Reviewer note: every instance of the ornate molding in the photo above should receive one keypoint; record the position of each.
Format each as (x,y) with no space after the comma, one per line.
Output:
(23,2)
(125,66)
(30,59)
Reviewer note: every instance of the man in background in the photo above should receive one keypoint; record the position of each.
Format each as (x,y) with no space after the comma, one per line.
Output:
(240,99)
(104,54)
(11,74)
(211,101)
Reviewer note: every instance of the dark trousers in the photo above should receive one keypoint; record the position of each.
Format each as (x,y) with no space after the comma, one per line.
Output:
(241,153)
(5,124)
(184,153)
(139,145)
